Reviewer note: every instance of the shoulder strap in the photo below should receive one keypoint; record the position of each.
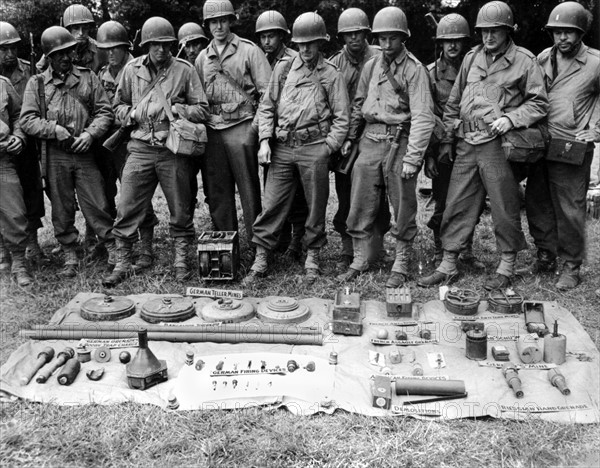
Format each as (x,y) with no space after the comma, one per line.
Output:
(233,83)
(144,94)
(165,104)
(283,79)
(397,88)
(42,95)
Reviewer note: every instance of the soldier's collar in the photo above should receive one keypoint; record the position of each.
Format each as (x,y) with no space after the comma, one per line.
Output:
(356,59)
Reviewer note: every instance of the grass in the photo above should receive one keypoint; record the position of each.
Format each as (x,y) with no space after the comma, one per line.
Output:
(132,435)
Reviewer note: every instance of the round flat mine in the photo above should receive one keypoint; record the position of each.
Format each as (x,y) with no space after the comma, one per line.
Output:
(462,301)
(168,309)
(105,308)
(283,310)
(227,311)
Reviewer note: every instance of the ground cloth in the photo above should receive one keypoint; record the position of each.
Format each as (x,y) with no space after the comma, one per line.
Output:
(346,385)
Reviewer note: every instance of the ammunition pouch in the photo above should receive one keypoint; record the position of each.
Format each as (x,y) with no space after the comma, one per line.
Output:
(232,111)
(525,145)
(302,136)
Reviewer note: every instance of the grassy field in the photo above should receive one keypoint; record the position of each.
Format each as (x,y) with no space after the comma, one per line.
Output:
(133,435)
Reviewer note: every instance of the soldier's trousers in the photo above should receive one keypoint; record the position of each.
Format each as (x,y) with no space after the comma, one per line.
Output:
(69,173)
(370,179)
(29,174)
(568,189)
(343,189)
(230,160)
(290,166)
(538,204)
(146,167)
(479,170)
(13,222)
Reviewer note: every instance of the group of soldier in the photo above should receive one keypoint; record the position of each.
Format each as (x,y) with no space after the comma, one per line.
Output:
(297,114)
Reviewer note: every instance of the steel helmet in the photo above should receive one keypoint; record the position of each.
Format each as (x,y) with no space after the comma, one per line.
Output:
(569,15)
(157,29)
(269,21)
(56,38)
(8,34)
(309,27)
(353,19)
(190,32)
(452,26)
(77,14)
(494,15)
(112,34)
(217,9)
(390,19)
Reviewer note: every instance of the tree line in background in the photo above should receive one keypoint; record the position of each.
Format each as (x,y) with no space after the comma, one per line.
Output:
(531,15)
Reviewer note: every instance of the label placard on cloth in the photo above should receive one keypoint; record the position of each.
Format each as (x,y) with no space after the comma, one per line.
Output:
(412,323)
(420,377)
(116,343)
(533,408)
(416,409)
(463,318)
(377,341)
(500,365)
(503,338)
(210,292)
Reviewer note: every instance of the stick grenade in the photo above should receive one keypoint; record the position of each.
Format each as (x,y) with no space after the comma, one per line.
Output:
(69,372)
(46,371)
(43,357)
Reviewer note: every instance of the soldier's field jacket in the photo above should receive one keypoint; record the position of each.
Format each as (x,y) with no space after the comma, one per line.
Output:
(307,101)
(351,66)
(180,85)
(412,107)
(512,86)
(10,106)
(78,104)
(574,95)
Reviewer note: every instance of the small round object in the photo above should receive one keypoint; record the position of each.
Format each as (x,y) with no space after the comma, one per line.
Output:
(292,365)
(226,264)
(124,357)
(310,366)
(401,336)
(425,334)
(386,371)
(199,365)
(333,358)
(84,355)
(189,358)
(382,334)
(102,354)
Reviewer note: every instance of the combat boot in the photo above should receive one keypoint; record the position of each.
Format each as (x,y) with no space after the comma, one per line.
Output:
(183,271)
(4,257)
(34,252)
(20,270)
(111,248)
(399,274)
(360,261)
(438,252)
(377,251)
(568,279)
(504,274)
(546,262)
(122,268)
(90,241)
(347,253)
(259,267)
(71,261)
(311,266)
(145,257)
(445,273)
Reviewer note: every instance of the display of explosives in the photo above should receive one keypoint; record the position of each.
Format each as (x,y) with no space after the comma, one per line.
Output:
(227,311)
(462,301)
(282,310)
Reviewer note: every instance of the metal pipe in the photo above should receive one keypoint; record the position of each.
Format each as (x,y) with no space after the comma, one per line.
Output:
(241,328)
(429,387)
(176,337)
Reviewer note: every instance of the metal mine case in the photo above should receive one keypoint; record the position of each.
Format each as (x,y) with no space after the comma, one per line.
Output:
(347,314)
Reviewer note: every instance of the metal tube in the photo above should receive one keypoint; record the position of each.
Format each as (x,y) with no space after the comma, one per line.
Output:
(429,387)
(241,328)
(175,336)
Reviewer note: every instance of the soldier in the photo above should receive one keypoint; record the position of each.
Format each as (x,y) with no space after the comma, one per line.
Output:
(192,40)
(80,23)
(13,222)
(451,36)
(499,87)
(353,27)
(571,72)
(150,162)
(308,122)
(272,30)
(112,38)
(78,113)
(18,72)
(393,103)
(234,72)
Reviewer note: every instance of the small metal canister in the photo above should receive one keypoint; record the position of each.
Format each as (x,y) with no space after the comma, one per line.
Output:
(476,345)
